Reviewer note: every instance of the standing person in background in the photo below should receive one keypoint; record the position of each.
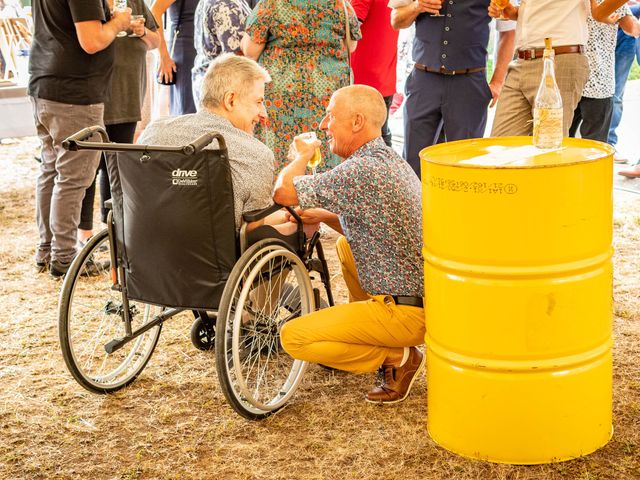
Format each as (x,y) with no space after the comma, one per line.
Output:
(627,50)
(122,110)
(565,22)
(374,61)
(176,59)
(219,26)
(447,91)
(302,45)
(67,93)
(592,116)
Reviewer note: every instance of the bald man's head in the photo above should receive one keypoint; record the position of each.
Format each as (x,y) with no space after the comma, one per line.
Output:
(355,116)
(364,100)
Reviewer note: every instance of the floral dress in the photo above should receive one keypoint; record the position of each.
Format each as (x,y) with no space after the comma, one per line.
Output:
(218,29)
(307,61)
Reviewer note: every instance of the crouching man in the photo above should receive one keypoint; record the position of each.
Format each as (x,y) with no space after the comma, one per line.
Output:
(373,199)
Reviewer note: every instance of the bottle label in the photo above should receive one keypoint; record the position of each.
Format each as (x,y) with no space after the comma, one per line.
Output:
(547,127)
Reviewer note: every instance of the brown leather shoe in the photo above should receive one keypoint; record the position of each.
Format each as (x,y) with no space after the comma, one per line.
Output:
(631,172)
(398,381)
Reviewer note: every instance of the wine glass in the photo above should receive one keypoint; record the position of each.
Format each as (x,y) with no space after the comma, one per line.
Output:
(311,137)
(120,6)
(137,18)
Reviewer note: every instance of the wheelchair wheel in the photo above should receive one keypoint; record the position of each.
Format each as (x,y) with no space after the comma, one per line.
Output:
(203,331)
(268,286)
(91,314)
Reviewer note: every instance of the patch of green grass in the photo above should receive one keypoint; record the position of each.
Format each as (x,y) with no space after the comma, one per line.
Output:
(634,74)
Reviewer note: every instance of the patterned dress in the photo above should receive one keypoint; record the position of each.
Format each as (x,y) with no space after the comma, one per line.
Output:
(307,60)
(219,25)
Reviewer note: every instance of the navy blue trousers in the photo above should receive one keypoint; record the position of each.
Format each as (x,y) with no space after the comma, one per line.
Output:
(443,108)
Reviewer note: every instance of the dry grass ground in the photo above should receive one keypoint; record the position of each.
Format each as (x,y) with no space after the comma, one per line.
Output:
(173,421)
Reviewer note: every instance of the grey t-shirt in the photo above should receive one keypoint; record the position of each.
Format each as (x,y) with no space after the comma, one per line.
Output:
(129,80)
(251,162)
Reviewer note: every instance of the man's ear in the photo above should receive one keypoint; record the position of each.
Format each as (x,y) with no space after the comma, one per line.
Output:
(357,122)
(229,100)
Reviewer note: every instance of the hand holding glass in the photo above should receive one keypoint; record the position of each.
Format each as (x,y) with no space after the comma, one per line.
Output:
(311,137)
(137,19)
(502,4)
(120,6)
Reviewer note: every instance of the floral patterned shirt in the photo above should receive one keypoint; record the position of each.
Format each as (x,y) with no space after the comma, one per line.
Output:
(377,197)
(218,29)
(601,52)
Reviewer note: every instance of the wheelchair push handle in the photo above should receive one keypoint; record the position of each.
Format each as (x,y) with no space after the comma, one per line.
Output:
(79,139)
(199,143)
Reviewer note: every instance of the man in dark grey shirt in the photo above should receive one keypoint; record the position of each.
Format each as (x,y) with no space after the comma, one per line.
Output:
(70,65)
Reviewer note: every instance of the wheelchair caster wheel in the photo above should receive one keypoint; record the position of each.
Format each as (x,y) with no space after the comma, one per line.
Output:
(203,332)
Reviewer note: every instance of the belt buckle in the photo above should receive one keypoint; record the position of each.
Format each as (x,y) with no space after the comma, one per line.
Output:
(532,53)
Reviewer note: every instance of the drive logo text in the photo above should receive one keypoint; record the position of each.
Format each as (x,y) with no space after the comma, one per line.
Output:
(184,177)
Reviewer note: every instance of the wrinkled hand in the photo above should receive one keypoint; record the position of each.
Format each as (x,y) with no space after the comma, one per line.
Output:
(311,216)
(166,68)
(302,149)
(121,19)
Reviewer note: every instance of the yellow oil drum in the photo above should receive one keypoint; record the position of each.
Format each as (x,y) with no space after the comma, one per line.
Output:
(518,288)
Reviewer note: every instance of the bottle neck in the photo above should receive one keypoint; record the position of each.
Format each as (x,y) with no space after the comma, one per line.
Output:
(549,73)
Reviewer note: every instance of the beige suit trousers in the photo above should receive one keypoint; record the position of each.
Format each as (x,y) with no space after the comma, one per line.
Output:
(514,113)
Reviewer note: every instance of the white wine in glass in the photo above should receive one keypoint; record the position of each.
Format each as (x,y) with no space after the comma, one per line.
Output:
(311,137)
(120,6)
(502,4)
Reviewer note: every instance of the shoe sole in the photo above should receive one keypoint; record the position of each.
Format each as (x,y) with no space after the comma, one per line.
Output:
(415,376)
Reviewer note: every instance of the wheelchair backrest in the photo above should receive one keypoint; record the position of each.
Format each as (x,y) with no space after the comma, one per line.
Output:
(175,228)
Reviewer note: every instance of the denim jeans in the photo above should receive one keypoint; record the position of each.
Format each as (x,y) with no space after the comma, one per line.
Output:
(626,50)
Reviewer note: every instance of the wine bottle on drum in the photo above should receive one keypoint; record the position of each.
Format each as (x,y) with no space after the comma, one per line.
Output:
(120,6)
(547,110)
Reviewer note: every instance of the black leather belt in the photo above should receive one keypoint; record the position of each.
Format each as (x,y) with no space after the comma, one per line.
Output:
(444,71)
(533,53)
(409,301)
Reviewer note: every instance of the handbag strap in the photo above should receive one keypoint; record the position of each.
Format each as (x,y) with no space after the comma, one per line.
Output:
(180,10)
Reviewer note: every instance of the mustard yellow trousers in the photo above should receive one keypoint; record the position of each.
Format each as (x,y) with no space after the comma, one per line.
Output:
(358,336)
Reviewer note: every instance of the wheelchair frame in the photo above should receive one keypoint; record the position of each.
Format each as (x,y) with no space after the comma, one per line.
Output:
(239,316)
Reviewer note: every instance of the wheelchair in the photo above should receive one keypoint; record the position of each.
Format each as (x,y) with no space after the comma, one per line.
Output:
(171,246)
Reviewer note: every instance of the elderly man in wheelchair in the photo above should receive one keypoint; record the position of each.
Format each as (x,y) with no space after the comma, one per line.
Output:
(193,227)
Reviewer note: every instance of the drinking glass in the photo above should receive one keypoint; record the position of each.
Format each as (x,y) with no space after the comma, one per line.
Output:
(311,137)
(137,18)
(501,4)
(120,6)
